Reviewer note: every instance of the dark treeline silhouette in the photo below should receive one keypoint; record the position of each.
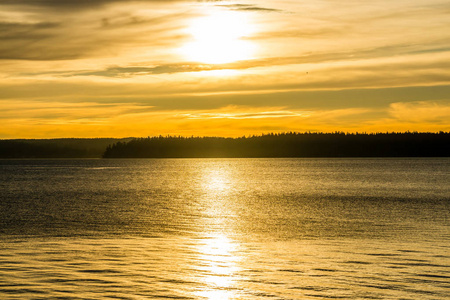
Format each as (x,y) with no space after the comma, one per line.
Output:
(55,148)
(338,144)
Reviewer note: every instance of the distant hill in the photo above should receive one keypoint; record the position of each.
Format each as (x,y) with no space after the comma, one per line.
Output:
(407,144)
(56,148)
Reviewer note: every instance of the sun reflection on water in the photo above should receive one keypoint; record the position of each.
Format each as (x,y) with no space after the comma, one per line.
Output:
(217,204)
(219,267)
(216,182)
(217,252)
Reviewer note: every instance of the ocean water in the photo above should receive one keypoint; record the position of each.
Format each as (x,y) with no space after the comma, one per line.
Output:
(225,229)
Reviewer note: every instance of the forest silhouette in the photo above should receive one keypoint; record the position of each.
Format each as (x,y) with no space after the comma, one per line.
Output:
(55,148)
(338,144)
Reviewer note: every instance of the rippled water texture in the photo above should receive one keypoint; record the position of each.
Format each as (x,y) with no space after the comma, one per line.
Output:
(225,229)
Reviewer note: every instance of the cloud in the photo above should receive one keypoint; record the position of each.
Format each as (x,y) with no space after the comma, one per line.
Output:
(91,119)
(33,41)
(63,112)
(375,63)
(248,7)
(421,112)
(74,4)
(108,32)
(135,71)
(247,115)
(11,31)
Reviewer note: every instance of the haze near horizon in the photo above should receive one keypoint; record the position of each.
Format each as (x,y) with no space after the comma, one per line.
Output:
(222,68)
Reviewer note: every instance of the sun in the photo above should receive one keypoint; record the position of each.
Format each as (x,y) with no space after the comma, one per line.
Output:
(219,38)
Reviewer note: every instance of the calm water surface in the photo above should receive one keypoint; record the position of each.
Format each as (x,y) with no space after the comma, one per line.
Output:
(225,229)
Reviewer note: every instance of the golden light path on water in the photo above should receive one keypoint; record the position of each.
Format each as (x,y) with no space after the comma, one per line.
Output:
(220,268)
(218,252)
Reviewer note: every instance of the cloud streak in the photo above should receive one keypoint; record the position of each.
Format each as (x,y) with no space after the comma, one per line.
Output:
(76,4)
(249,7)
(67,39)
(421,111)
(372,63)
(251,115)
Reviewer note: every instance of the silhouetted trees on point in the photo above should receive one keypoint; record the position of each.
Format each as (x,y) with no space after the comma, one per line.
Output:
(292,144)
(55,148)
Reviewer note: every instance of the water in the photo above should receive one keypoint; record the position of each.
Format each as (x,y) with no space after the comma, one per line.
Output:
(225,229)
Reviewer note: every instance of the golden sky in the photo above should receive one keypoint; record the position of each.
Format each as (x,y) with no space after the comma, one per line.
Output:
(110,68)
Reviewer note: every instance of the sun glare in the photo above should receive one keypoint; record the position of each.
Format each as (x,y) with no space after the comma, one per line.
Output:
(220,267)
(219,38)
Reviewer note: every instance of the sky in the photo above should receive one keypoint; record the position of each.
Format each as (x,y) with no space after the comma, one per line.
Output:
(110,68)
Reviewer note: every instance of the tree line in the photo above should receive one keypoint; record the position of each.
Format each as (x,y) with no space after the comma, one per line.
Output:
(55,148)
(291,144)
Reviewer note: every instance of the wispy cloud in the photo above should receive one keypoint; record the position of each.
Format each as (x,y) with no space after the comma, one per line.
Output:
(30,36)
(367,62)
(248,115)
(136,71)
(421,111)
(249,7)
(63,111)
(75,4)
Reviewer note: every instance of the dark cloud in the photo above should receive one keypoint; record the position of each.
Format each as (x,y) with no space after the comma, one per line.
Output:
(121,72)
(133,71)
(305,100)
(72,4)
(30,41)
(234,115)
(14,31)
(248,7)
(118,71)
(69,5)
(70,38)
